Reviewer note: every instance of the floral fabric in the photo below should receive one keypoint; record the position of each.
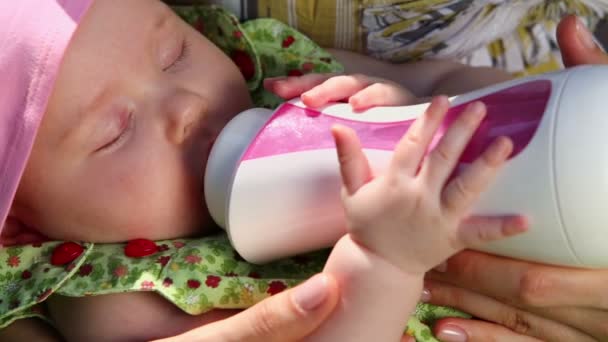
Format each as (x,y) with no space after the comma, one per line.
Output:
(196,275)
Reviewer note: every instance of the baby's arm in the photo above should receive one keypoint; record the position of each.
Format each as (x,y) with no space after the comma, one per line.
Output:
(406,221)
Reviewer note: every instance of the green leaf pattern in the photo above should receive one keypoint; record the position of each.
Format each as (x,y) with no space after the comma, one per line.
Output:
(197,275)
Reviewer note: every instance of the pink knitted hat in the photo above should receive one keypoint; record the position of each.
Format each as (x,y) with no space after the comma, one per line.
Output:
(34,35)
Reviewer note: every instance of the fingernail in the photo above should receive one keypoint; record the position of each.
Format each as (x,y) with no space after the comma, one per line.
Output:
(312,293)
(442,268)
(425,296)
(584,35)
(452,333)
(516,225)
(475,110)
(499,150)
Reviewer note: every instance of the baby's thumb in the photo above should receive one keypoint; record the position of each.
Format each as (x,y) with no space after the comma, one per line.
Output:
(288,316)
(354,166)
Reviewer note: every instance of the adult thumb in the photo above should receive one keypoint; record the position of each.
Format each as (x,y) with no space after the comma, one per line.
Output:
(577,44)
(288,316)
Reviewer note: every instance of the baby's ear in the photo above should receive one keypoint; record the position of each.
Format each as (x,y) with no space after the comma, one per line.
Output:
(15,232)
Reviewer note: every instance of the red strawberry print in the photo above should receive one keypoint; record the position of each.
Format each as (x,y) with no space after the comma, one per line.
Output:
(163,260)
(178,244)
(26,274)
(238,34)
(140,248)
(199,25)
(167,282)
(275,287)
(288,41)
(85,270)
(244,62)
(120,271)
(213,281)
(193,283)
(65,253)
(192,259)
(295,73)
(13,261)
(147,285)
(308,67)
(163,247)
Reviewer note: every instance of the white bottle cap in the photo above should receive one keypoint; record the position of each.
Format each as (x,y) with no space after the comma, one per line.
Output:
(224,157)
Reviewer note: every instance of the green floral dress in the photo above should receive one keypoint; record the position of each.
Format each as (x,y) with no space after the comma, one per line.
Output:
(197,275)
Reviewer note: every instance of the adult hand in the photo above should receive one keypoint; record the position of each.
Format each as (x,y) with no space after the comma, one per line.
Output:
(577,44)
(288,316)
(519,300)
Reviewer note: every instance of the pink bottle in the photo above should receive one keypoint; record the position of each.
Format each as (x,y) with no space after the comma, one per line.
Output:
(273,181)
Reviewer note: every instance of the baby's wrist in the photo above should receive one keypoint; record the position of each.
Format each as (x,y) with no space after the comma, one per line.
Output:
(413,269)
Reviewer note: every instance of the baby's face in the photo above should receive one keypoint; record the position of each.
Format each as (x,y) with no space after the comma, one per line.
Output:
(121,151)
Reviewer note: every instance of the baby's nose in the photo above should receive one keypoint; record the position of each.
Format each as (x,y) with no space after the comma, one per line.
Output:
(185,110)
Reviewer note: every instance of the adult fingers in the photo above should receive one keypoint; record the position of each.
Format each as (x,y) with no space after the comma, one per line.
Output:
(466,330)
(288,316)
(524,283)
(593,322)
(577,45)
(491,310)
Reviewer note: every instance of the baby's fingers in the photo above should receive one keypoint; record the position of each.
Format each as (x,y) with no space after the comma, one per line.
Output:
(290,87)
(440,163)
(336,89)
(381,94)
(464,189)
(354,166)
(475,231)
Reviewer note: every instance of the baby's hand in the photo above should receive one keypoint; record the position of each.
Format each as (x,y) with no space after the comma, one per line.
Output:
(361,92)
(412,214)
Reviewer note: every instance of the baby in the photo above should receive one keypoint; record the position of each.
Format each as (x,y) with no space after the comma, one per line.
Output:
(136,103)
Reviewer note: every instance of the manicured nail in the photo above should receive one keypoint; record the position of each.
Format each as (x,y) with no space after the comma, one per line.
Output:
(312,293)
(452,333)
(584,35)
(425,296)
(442,268)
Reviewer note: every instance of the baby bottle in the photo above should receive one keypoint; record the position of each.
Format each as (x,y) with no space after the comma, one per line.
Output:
(273,180)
